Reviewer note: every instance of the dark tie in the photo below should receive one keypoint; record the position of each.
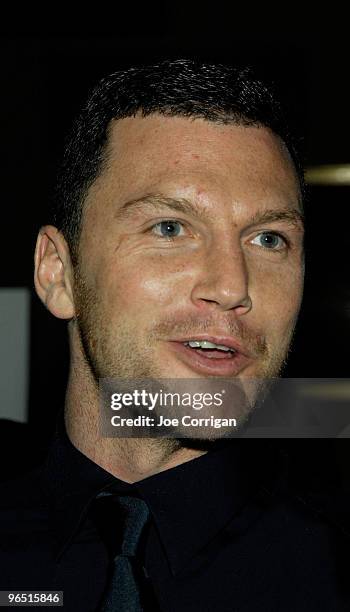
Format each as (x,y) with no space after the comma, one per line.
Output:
(123,591)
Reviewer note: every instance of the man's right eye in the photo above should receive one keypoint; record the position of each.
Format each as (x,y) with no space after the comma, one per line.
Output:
(168,229)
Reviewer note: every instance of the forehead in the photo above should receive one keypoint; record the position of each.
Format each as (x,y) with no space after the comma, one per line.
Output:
(148,153)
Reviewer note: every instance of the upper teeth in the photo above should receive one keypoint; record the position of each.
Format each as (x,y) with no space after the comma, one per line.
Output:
(206,344)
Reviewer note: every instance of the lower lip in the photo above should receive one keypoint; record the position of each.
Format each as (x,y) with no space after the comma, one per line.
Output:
(223,366)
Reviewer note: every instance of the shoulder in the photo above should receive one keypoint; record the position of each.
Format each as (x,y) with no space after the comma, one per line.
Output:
(299,537)
(24,502)
(26,536)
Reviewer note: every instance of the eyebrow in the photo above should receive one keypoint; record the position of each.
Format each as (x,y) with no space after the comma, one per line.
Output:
(292,216)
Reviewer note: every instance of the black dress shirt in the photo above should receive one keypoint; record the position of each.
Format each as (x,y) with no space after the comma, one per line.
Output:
(227,533)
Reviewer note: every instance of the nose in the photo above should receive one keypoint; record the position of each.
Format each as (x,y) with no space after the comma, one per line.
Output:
(223,280)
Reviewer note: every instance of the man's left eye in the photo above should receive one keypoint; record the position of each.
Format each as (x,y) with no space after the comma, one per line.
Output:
(269,240)
(168,229)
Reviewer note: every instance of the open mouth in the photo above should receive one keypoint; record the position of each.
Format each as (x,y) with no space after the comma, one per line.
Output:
(210,358)
(210,349)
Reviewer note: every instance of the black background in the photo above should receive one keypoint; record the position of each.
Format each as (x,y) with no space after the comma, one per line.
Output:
(45,78)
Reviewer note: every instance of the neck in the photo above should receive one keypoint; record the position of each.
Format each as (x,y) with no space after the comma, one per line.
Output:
(129,459)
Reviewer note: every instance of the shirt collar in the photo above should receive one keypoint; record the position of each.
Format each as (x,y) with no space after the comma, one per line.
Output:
(193,503)
(190,503)
(73,481)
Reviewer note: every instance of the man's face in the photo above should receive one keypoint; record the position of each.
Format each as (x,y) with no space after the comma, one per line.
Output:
(190,233)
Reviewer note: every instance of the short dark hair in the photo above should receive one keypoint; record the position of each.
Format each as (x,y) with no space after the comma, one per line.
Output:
(185,88)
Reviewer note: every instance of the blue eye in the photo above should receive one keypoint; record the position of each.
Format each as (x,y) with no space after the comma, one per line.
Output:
(168,229)
(269,240)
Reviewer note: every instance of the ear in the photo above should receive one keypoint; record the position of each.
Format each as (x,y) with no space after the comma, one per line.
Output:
(54,273)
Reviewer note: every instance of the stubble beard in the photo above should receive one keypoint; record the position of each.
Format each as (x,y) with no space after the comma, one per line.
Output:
(123,358)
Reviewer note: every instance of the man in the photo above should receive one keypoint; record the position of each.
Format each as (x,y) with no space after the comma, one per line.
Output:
(179,219)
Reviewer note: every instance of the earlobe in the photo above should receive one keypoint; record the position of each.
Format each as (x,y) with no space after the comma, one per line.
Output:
(53,273)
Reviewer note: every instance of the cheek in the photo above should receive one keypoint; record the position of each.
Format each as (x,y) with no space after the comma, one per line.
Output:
(146,285)
(277,296)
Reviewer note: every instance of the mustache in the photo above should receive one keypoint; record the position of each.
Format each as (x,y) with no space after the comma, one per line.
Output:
(252,339)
